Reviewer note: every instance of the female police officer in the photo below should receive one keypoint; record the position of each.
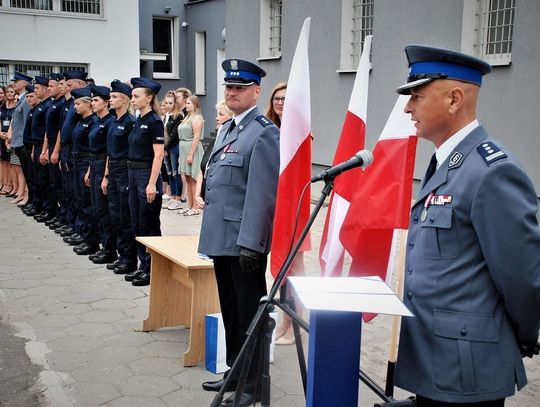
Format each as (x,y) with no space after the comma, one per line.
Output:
(116,180)
(98,157)
(145,158)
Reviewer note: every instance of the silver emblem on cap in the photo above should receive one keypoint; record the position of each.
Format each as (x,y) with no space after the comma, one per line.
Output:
(234,64)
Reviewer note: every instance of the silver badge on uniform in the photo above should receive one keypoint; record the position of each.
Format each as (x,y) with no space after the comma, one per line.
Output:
(455,159)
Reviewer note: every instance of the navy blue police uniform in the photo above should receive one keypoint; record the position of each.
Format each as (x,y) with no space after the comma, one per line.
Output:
(86,222)
(473,262)
(98,158)
(118,185)
(147,131)
(53,123)
(240,194)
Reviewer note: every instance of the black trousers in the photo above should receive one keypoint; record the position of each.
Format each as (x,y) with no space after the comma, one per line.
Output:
(425,402)
(239,296)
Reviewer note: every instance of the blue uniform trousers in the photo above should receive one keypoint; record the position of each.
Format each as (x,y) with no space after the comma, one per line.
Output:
(118,198)
(56,190)
(68,187)
(144,216)
(85,223)
(41,179)
(29,176)
(100,206)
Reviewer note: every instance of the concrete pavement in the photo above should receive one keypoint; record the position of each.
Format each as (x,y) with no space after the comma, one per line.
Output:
(82,326)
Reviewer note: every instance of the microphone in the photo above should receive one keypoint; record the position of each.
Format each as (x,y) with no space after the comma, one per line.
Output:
(362,159)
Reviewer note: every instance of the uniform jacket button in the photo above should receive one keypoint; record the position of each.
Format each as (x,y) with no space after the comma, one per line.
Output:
(463,332)
(409,295)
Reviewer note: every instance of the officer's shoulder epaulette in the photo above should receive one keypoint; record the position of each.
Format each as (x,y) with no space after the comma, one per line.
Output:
(490,152)
(265,121)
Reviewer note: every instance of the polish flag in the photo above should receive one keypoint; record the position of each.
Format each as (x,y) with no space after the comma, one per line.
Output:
(382,199)
(295,158)
(352,140)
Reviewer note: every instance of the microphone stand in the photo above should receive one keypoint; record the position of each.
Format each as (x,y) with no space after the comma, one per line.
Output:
(262,325)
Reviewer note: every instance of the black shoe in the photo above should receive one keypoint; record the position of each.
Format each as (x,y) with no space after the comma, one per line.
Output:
(44,217)
(31,212)
(134,274)
(96,254)
(85,248)
(74,239)
(246,399)
(103,256)
(114,264)
(51,221)
(216,385)
(123,268)
(142,279)
(56,225)
(68,231)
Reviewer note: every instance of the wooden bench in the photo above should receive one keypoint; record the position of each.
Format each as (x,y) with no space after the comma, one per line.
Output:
(182,290)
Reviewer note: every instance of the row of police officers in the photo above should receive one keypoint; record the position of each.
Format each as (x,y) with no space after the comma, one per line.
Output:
(93,168)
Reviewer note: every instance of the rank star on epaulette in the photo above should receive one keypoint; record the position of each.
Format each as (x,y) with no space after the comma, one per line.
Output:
(490,152)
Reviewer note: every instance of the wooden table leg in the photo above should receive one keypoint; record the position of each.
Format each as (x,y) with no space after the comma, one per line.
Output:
(205,300)
(170,301)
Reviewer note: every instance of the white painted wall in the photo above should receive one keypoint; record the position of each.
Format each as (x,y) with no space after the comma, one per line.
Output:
(110,46)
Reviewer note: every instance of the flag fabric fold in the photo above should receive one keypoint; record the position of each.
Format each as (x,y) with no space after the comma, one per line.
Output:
(382,199)
(352,139)
(295,157)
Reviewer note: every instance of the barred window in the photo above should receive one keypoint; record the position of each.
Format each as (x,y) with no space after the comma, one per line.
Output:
(7,69)
(494,29)
(82,7)
(356,24)
(274,48)
(270,29)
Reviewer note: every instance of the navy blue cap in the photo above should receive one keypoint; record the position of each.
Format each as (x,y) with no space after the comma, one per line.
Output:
(101,91)
(239,72)
(81,92)
(41,80)
(29,88)
(429,63)
(17,76)
(54,76)
(146,83)
(75,75)
(121,87)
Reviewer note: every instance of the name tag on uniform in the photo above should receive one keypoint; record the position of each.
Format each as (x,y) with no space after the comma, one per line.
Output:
(120,127)
(5,123)
(144,126)
(85,125)
(101,126)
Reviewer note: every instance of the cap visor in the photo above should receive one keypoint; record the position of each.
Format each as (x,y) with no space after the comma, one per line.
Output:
(234,83)
(406,89)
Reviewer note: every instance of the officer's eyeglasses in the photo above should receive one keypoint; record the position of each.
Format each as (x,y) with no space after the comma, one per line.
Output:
(277,99)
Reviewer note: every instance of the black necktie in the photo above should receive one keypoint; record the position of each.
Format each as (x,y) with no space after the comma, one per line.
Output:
(229,130)
(432,167)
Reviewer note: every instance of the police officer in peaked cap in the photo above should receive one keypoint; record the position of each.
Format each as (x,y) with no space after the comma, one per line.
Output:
(473,255)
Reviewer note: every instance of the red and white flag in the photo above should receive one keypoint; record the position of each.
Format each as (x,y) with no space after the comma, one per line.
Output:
(382,199)
(295,157)
(352,139)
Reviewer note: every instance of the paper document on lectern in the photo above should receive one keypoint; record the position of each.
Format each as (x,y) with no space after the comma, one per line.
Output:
(355,294)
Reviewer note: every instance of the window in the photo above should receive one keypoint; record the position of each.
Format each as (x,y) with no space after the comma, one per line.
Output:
(7,69)
(487,30)
(200,63)
(82,7)
(354,31)
(270,26)
(165,38)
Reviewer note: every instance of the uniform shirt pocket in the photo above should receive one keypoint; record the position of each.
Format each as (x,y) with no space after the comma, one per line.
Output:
(230,169)
(438,238)
(232,218)
(465,352)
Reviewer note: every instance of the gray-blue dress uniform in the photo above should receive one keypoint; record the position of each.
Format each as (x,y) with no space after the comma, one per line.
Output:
(472,278)
(240,196)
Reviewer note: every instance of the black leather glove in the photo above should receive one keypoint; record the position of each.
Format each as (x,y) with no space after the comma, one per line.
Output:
(249,260)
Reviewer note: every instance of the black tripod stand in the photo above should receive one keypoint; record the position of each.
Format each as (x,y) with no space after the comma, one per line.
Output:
(262,326)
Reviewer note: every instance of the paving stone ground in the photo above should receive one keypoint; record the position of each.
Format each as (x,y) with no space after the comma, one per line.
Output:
(82,326)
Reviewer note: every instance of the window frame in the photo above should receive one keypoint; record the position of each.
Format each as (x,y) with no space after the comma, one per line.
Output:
(350,48)
(175,41)
(10,67)
(200,63)
(267,30)
(54,11)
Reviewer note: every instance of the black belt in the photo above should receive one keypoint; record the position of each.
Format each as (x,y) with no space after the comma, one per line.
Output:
(98,156)
(82,154)
(139,165)
(120,162)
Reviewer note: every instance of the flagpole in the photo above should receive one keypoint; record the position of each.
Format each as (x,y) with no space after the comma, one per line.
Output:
(396,320)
